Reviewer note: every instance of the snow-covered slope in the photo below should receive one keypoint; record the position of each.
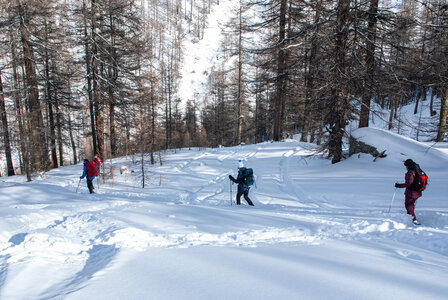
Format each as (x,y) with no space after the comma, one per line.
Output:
(317,231)
(200,56)
(401,147)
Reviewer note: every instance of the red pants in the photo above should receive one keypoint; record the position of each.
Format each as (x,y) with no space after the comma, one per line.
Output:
(409,203)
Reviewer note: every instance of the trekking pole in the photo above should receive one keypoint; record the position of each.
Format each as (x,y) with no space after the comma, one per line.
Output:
(78,185)
(392,201)
(230,193)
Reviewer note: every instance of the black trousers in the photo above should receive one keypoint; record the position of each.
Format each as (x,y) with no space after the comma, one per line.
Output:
(90,186)
(246,196)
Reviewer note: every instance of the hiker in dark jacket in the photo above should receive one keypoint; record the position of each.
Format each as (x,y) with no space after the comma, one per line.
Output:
(243,189)
(90,173)
(410,194)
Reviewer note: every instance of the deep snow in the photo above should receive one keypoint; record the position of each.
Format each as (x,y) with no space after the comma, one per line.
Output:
(317,231)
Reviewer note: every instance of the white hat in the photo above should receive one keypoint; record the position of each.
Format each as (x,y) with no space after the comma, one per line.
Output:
(240,164)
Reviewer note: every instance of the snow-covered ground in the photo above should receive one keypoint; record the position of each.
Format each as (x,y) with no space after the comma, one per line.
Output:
(201,55)
(317,231)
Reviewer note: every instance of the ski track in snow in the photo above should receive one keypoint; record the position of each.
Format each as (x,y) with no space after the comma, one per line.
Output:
(86,240)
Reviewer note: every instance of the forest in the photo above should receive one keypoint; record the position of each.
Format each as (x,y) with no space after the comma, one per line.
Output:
(101,77)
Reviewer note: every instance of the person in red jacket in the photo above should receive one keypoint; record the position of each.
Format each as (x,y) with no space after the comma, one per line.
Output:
(411,195)
(90,171)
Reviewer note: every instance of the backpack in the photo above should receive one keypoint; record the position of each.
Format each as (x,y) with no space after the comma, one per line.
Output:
(420,179)
(248,175)
(91,169)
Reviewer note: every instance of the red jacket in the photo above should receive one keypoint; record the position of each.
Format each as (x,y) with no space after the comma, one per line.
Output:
(409,180)
(89,170)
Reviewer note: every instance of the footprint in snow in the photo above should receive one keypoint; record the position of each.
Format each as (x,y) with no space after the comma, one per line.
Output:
(409,255)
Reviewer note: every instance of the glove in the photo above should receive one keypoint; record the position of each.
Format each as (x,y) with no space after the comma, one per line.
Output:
(231,178)
(397,185)
(81,177)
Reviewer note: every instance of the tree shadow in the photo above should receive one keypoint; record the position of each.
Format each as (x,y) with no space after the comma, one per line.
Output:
(100,256)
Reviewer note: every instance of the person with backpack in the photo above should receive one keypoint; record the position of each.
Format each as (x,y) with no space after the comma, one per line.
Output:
(244,180)
(90,171)
(413,191)
(97,161)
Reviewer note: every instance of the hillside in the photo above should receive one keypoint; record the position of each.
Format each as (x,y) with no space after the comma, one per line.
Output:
(317,230)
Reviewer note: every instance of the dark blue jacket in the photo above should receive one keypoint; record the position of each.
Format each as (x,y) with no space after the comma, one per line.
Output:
(242,186)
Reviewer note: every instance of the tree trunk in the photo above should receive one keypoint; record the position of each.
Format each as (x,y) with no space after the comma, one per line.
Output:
(432,112)
(59,131)
(443,116)
(370,65)
(280,98)
(49,98)
(338,110)
(89,79)
(113,135)
(98,103)
(5,127)
(54,157)
(153,123)
(27,160)
(417,99)
(309,77)
(70,127)
(168,109)
(143,169)
(113,76)
(240,80)
(19,107)
(391,114)
(39,158)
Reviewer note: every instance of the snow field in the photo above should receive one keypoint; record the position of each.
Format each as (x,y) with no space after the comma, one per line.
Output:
(317,230)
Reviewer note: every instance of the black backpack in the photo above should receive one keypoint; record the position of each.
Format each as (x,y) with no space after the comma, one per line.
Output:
(420,179)
(248,176)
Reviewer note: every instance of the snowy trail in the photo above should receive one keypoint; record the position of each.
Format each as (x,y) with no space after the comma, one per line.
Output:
(76,241)
(345,222)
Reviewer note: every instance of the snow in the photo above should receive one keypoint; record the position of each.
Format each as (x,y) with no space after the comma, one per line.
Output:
(317,230)
(201,54)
